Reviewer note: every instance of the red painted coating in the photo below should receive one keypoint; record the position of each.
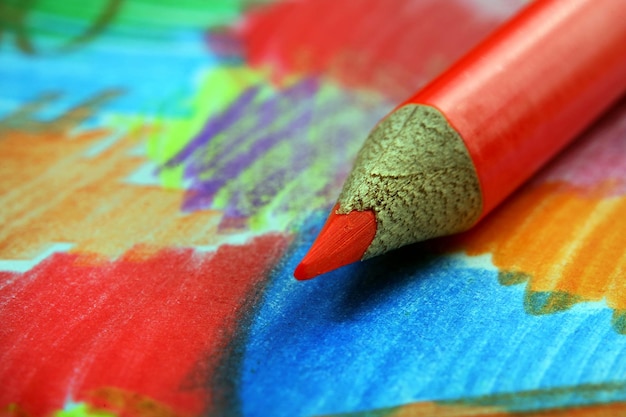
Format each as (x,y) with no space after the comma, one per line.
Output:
(377,44)
(342,241)
(532,86)
(151,324)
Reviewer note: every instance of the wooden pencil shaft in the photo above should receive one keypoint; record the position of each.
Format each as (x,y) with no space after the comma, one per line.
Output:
(531,87)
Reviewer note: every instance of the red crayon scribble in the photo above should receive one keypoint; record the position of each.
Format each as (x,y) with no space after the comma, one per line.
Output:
(155,324)
(391,46)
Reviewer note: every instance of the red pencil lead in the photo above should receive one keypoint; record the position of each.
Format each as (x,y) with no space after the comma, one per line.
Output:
(342,241)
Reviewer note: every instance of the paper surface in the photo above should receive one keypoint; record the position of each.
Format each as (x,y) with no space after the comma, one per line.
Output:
(164,167)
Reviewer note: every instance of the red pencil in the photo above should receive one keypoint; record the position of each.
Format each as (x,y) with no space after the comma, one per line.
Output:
(442,160)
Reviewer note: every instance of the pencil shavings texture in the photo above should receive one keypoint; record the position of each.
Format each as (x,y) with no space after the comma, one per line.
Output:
(415,173)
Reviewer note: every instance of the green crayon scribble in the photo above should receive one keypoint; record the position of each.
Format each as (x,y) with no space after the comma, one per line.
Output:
(82,410)
(36,25)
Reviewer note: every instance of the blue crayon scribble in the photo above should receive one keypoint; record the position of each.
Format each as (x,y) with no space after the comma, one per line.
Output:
(414,326)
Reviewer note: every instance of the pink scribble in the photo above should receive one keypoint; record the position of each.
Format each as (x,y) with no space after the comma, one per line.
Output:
(597,158)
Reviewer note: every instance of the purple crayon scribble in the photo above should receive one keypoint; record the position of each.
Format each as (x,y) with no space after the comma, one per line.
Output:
(217,124)
(268,113)
(241,161)
(254,150)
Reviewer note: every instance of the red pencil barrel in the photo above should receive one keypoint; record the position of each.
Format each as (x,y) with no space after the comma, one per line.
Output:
(532,86)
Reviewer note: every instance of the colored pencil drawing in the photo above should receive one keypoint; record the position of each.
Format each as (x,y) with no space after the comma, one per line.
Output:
(164,166)
(574,208)
(82,197)
(230,165)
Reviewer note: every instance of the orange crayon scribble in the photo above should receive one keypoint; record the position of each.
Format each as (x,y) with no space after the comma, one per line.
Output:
(566,244)
(427,409)
(24,118)
(51,191)
(433,409)
(123,403)
(13,410)
(532,403)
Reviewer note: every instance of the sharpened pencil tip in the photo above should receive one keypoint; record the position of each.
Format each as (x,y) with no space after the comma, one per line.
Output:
(344,239)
